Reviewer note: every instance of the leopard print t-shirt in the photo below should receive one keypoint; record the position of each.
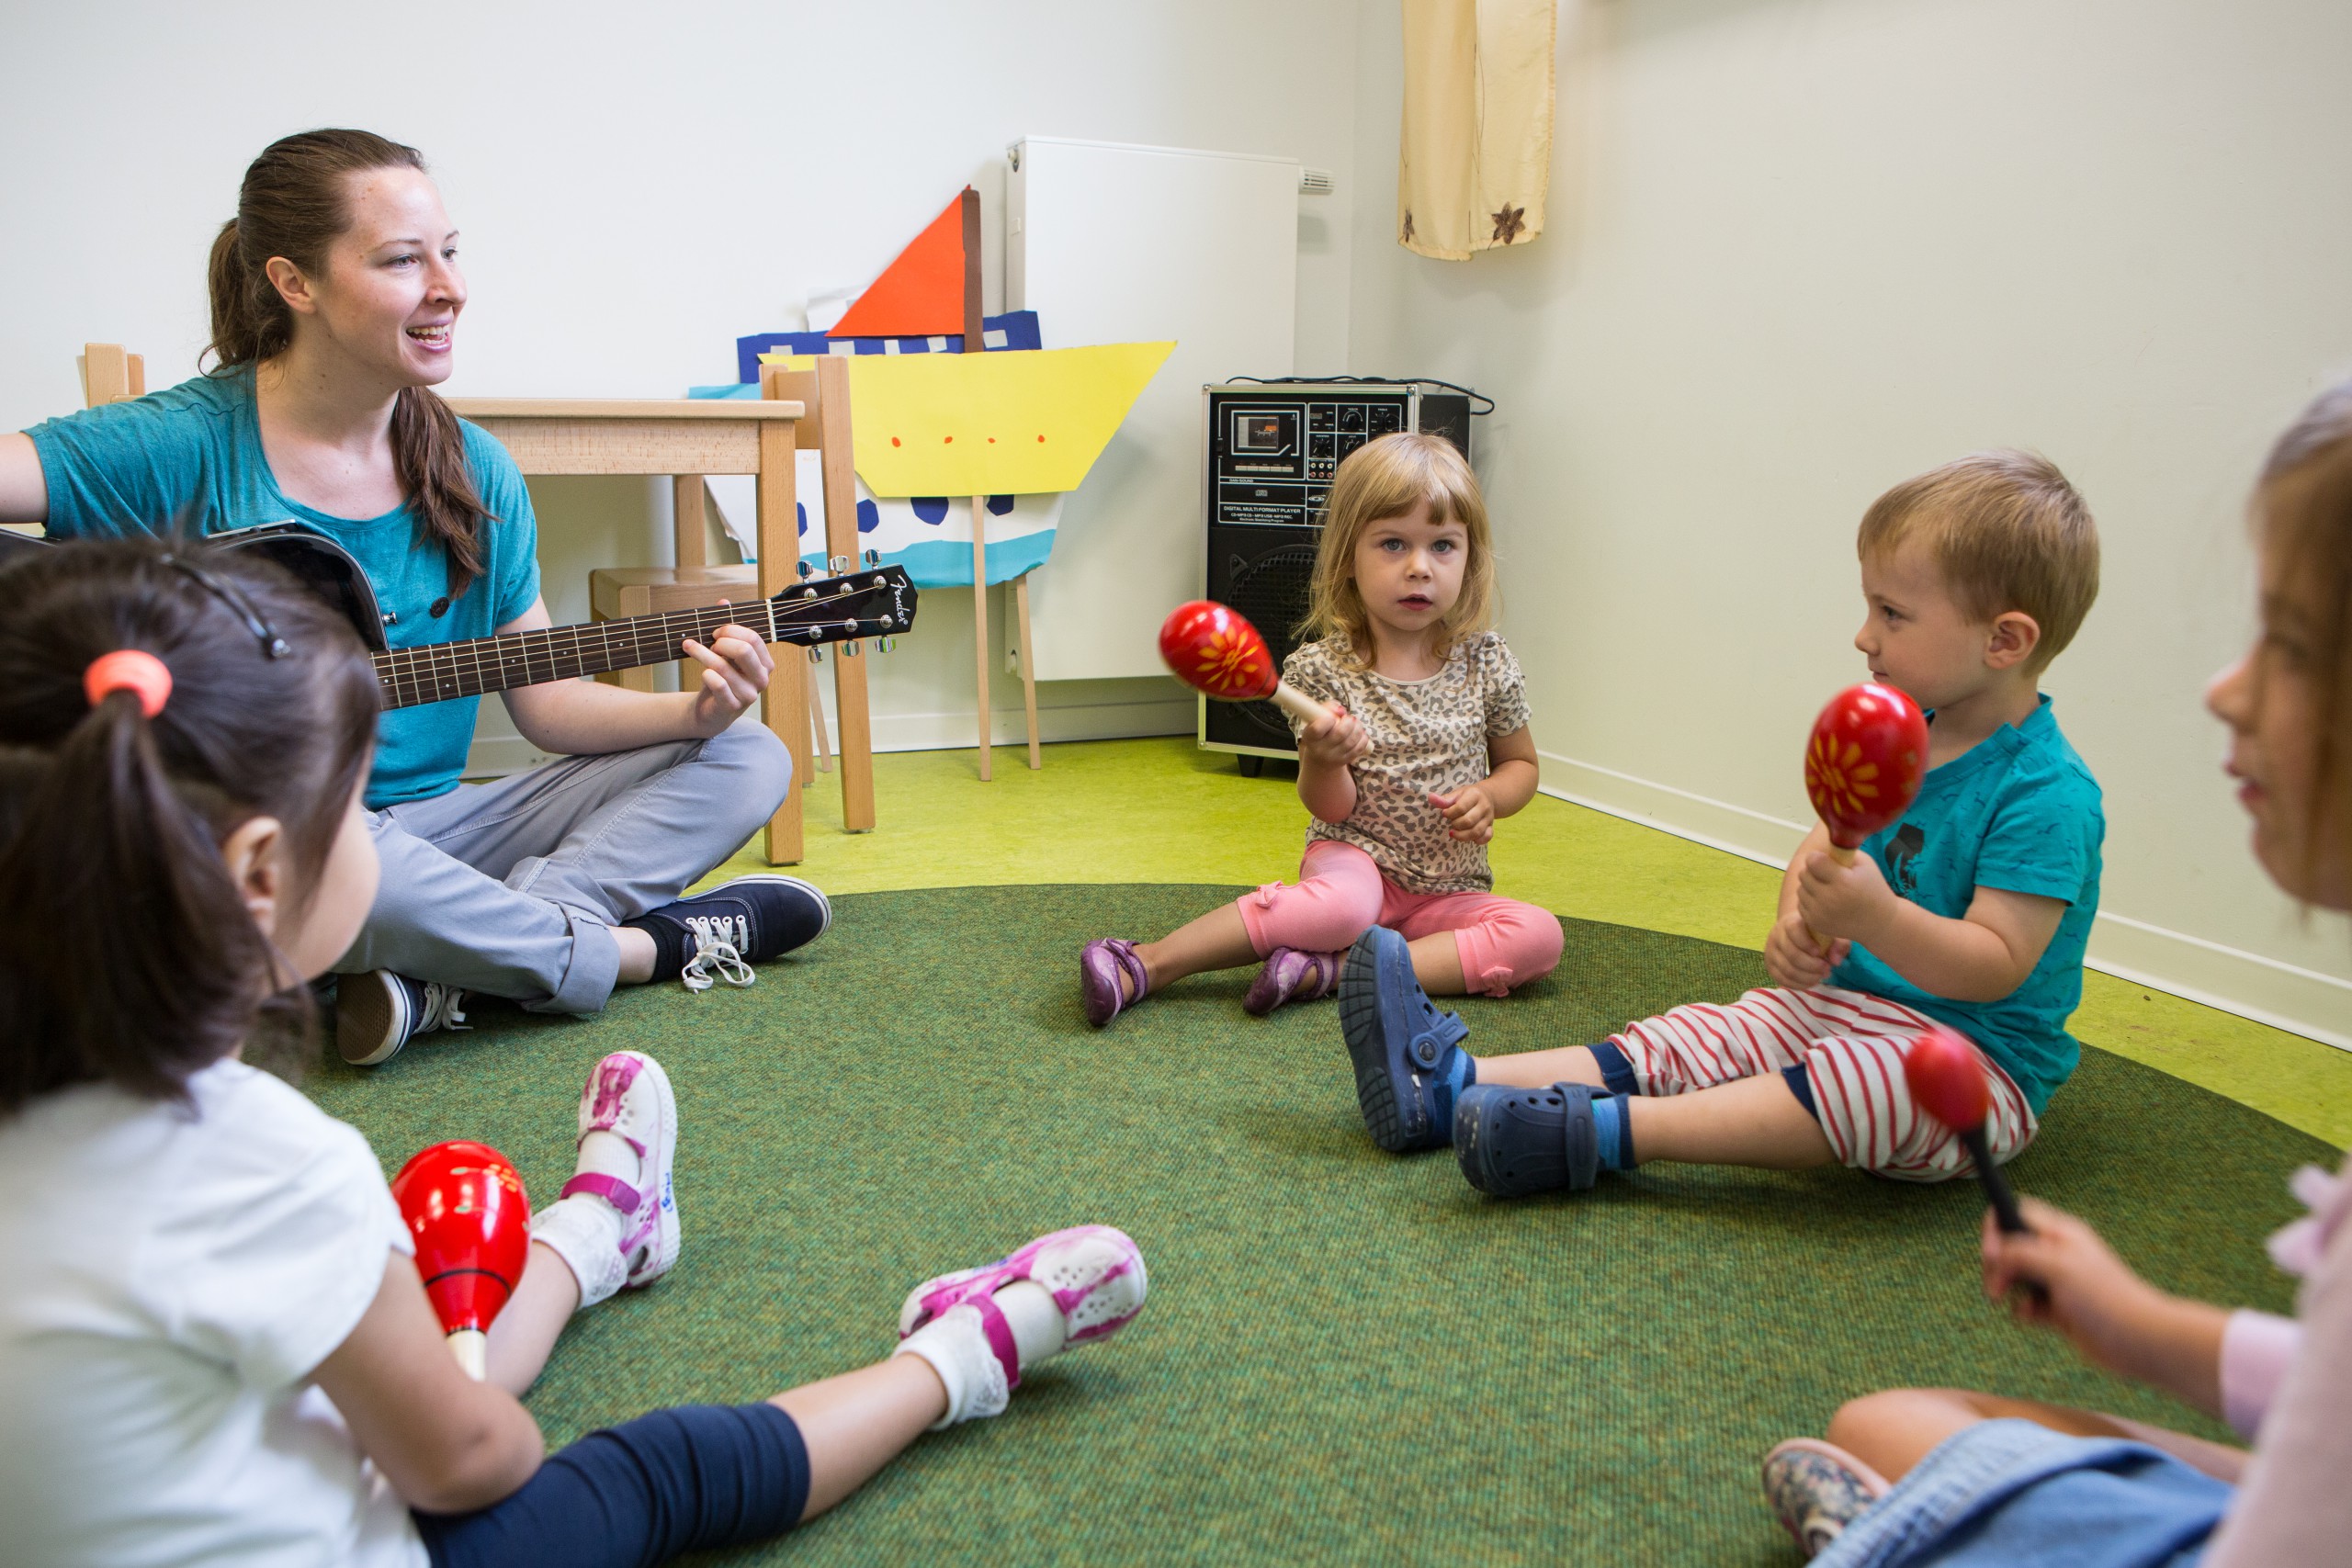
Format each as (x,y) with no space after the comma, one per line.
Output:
(1428,738)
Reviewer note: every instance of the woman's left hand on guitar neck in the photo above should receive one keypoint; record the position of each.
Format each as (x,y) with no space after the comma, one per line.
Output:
(585,718)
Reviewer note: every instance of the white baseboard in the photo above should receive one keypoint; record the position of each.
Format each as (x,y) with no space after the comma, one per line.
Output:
(1007,726)
(2284,996)
(496,756)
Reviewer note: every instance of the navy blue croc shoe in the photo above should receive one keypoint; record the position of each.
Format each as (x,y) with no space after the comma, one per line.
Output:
(1401,1044)
(1514,1141)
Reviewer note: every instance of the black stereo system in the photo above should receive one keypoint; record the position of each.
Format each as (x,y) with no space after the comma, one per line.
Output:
(1270,451)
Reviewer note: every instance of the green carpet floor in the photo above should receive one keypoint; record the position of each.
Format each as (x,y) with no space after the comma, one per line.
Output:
(1347,1357)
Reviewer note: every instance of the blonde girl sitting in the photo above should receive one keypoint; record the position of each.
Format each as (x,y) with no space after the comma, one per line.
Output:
(1423,746)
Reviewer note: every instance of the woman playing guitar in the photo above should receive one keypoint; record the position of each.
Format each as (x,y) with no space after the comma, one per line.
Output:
(335,296)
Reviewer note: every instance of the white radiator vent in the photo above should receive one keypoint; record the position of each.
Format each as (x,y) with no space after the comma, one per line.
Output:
(1314,182)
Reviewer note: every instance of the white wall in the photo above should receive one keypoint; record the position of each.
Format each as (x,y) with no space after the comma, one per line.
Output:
(635,187)
(1803,248)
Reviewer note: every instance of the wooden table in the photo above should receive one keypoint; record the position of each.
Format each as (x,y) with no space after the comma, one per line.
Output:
(687,438)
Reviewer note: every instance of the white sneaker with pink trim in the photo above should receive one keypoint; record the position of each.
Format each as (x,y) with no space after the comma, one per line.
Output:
(629,1096)
(1094,1276)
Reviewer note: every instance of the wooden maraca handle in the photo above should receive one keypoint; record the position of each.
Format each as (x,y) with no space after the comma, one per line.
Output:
(471,1347)
(1297,702)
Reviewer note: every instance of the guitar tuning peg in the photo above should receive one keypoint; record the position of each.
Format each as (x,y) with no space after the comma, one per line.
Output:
(805,570)
(815,656)
(837,565)
(850,648)
(885,644)
(874,557)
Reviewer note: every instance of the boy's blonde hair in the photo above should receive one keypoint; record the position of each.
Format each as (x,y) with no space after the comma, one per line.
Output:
(2007,533)
(1388,478)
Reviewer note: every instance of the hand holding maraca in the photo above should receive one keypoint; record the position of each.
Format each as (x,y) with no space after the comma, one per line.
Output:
(1862,767)
(1334,740)
(1847,901)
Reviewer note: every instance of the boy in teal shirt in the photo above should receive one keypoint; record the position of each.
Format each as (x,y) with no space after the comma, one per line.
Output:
(1971,911)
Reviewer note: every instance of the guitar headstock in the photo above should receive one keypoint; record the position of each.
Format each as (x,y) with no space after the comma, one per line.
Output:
(877,602)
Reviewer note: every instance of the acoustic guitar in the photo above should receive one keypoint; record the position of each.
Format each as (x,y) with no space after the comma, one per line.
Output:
(877,602)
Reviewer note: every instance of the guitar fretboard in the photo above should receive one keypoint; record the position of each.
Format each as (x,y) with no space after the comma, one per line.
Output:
(442,670)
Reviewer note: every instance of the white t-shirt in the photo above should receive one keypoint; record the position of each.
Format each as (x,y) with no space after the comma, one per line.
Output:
(169,1280)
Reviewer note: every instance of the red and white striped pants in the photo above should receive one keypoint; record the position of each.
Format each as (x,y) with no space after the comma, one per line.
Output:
(1850,1046)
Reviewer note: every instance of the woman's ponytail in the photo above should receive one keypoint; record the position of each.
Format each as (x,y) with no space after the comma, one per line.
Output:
(294,203)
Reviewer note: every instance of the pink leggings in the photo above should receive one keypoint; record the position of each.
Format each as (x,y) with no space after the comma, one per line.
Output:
(1342,895)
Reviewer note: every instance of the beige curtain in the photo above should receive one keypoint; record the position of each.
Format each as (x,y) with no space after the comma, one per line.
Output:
(1476,157)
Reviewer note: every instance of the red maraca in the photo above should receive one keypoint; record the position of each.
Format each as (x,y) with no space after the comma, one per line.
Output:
(465,1205)
(1948,1083)
(1864,764)
(1214,650)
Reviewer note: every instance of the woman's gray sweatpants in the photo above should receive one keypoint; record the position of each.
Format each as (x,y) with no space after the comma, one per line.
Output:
(512,888)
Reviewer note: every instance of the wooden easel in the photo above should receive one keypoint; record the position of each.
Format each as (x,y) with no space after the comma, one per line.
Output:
(973,344)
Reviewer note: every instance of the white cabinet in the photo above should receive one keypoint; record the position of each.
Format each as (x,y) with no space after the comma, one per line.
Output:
(1110,243)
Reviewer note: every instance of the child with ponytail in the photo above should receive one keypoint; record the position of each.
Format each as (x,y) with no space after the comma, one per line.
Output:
(213,1340)
(336,297)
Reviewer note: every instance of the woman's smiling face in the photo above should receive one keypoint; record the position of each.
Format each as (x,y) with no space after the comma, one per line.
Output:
(391,293)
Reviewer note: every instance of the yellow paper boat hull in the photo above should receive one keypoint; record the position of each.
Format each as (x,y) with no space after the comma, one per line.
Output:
(1021,422)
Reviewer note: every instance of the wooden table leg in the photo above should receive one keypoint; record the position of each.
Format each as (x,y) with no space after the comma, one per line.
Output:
(784,705)
(1028,665)
(852,713)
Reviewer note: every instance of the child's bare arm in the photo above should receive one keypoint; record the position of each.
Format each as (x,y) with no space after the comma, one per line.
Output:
(1510,785)
(447,1443)
(1326,747)
(1981,957)
(2111,1315)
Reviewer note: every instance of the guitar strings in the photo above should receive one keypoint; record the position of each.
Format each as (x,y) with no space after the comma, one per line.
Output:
(436,672)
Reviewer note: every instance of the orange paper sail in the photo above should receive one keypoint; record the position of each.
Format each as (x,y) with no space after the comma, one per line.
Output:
(922,293)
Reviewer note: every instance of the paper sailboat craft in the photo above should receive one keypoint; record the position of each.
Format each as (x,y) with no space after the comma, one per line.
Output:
(1018,425)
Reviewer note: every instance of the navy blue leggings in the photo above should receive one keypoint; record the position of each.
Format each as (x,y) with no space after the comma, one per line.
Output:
(632,1495)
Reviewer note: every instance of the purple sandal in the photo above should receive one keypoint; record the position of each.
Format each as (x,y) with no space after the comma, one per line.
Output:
(1099,966)
(1292,976)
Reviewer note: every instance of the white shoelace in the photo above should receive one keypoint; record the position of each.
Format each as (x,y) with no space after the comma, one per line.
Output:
(441,1009)
(718,953)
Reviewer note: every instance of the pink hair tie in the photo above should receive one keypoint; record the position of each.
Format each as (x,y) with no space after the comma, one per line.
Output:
(128,669)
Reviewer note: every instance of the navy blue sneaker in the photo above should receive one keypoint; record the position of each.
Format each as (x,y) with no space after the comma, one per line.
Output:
(378,1012)
(718,935)
(1409,1060)
(1513,1141)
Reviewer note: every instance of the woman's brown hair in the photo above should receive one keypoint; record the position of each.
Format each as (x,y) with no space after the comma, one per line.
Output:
(1388,478)
(111,821)
(295,202)
(2302,516)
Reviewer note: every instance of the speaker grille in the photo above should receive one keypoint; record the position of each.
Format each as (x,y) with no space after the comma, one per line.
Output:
(1270,588)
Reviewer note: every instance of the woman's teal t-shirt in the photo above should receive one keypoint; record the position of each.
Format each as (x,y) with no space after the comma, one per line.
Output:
(195,451)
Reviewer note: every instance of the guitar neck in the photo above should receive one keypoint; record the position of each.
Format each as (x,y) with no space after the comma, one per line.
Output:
(440,671)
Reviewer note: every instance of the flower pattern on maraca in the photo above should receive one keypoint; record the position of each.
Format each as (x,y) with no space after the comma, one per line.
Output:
(1214,650)
(1841,783)
(1233,664)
